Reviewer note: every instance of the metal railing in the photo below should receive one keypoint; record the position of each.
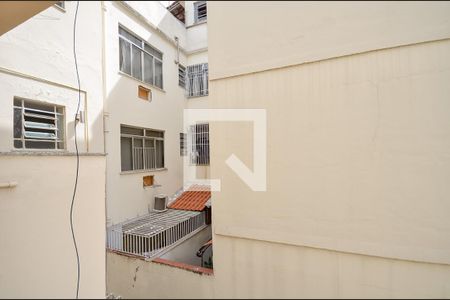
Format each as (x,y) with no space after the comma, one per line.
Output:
(155,233)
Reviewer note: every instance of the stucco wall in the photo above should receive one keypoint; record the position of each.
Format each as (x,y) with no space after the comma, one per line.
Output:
(135,278)
(37,257)
(42,47)
(125,193)
(187,250)
(358,143)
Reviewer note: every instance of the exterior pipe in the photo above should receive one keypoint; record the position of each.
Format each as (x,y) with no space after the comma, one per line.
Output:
(8,185)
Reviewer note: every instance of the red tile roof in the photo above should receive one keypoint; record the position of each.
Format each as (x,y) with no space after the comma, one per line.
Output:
(194,198)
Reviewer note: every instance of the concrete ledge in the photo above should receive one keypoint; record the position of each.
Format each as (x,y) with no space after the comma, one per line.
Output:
(195,269)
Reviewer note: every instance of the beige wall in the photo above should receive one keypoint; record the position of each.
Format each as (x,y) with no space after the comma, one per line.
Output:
(37,257)
(358,159)
(138,279)
(271,34)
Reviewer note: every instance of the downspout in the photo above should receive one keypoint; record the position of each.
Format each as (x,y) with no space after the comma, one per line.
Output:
(177,61)
(105,114)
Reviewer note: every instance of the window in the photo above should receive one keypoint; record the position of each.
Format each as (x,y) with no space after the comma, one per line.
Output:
(200,144)
(197,80)
(60,4)
(140,60)
(181,76)
(200,11)
(141,149)
(183,146)
(38,125)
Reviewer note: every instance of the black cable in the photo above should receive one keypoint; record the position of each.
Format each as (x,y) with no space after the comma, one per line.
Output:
(76,149)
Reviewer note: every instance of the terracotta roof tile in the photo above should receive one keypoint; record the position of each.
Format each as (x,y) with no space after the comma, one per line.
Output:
(194,199)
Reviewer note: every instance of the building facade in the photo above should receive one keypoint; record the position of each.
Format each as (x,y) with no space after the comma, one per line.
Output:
(356,96)
(39,99)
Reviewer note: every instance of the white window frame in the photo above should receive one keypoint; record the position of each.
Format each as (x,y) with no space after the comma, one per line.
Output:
(201,19)
(141,47)
(39,128)
(140,155)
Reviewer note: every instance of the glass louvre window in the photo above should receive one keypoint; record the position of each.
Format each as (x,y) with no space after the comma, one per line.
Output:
(200,11)
(38,125)
(181,76)
(140,60)
(141,148)
(197,80)
(183,146)
(199,134)
(61,4)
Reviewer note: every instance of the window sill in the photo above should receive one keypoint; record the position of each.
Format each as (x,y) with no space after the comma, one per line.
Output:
(193,97)
(142,171)
(142,82)
(59,8)
(197,23)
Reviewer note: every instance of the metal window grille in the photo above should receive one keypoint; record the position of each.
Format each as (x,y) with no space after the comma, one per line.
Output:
(197,80)
(181,76)
(153,234)
(200,13)
(141,149)
(199,134)
(140,60)
(38,125)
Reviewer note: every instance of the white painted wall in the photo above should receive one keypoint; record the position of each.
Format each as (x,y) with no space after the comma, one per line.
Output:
(125,193)
(126,196)
(139,279)
(37,255)
(186,251)
(35,50)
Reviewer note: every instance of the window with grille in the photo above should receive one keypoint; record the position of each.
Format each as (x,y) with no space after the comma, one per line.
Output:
(140,60)
(38,125)
(200,11)
(183,146)
(197,80)
(199,134)
(141,148)
(181,76)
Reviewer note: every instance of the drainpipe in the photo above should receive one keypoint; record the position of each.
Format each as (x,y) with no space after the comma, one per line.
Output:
(177,61)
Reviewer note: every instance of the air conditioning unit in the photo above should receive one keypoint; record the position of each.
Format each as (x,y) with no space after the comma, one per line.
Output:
(160,203)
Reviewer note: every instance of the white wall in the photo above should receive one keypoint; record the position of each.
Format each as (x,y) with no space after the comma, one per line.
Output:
(187,250)
(37,255)
(135,278)
(273,34)
(43,47)
(126,196)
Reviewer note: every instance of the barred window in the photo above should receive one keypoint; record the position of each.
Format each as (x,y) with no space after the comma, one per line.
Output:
(197,80)
(140,60)
(199,144)
(38,125)
(141,148)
